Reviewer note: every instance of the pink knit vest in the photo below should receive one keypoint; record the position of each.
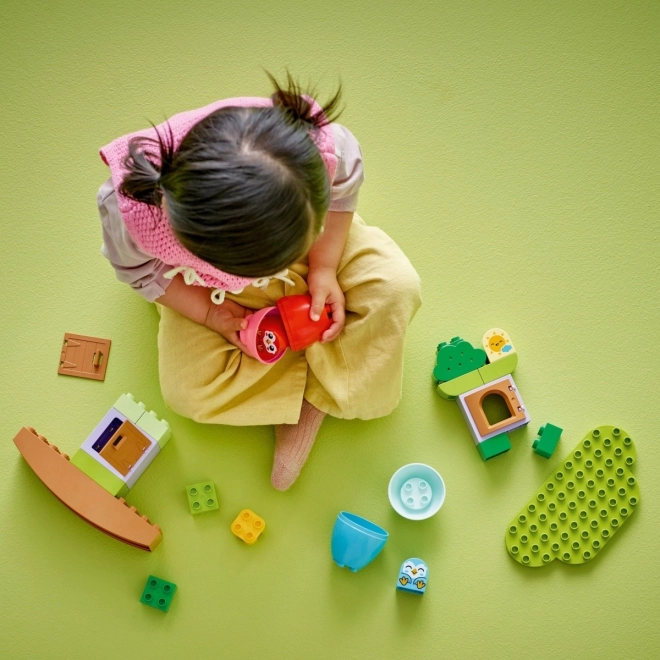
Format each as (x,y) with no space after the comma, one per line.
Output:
(157,238)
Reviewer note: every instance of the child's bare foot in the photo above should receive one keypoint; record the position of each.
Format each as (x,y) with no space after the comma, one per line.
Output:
(293,442)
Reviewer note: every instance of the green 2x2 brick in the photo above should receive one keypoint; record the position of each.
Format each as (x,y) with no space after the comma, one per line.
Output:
(202,497)
(158,593)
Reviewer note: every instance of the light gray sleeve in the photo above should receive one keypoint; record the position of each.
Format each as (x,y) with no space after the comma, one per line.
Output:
(143,272)
(350,171)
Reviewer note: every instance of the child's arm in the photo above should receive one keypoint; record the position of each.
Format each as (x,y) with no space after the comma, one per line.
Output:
(194,302)
(322,278)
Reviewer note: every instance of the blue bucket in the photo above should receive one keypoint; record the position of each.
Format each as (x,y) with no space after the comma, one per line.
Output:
(356,541)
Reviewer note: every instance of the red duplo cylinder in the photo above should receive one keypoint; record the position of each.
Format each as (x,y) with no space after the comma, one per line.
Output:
(300,329)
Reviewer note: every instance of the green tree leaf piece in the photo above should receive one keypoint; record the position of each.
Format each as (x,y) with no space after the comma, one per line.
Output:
(456,358)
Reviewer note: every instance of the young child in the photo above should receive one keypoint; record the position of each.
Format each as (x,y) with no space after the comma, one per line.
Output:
(225,209)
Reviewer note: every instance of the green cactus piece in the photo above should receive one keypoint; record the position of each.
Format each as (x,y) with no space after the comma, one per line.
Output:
(456,358)
(581,506)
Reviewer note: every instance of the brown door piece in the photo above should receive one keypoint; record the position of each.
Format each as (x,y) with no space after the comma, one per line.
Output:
(507,390)
(125,448)
(86,357)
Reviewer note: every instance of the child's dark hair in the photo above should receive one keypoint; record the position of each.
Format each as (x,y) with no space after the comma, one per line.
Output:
(247,189)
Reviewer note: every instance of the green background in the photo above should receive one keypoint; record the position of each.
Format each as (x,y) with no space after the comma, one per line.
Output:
(511,149)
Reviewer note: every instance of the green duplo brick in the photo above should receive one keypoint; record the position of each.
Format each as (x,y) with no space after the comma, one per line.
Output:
(202,497)
(451,389)
(546,443)
(156,428)
(498,369)
(158,593)
(581,506)
(494,446)
(103,477)
(456,358)
(128,406)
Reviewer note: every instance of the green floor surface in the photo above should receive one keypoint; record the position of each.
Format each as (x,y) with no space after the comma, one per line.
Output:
(511,148)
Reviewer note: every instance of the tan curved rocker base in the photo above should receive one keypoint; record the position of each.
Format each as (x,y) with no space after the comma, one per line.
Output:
(83,495)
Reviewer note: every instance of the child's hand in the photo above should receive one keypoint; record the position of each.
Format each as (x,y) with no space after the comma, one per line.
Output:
(227,319)
(324,288)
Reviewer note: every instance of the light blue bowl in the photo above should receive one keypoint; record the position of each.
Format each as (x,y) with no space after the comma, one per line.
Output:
(356,541)
(416,491)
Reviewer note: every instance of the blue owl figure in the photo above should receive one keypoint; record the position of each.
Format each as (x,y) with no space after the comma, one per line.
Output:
(413,576)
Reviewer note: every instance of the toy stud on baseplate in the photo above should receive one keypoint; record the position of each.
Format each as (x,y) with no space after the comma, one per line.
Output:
(413,576)
(546,443)
(272,330)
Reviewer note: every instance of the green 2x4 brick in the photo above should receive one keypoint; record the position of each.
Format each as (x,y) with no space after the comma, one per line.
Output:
(581,506)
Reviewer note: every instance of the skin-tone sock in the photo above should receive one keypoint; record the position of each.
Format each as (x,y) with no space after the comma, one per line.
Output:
(293,442)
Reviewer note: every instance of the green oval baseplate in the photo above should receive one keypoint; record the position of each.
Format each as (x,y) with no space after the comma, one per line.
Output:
(581,506)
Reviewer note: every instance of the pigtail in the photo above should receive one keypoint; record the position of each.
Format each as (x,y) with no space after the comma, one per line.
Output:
(291,100)
(148,162)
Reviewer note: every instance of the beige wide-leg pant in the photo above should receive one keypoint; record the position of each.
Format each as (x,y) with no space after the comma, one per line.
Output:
(358,375)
